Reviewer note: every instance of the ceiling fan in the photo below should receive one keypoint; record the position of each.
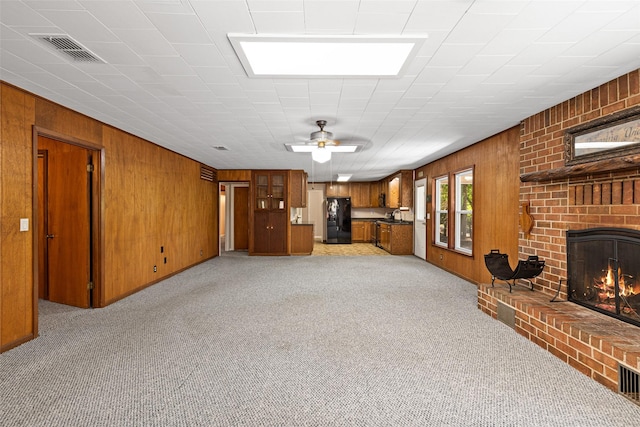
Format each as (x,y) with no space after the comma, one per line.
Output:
(322,138)
(321,144)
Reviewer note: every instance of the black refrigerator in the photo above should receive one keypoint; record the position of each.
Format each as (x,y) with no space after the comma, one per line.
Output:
(338,220)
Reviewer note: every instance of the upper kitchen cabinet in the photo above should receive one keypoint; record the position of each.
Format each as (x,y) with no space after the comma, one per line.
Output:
(338,189)
(406,189)
(361,195)
(298,188)
(400,190)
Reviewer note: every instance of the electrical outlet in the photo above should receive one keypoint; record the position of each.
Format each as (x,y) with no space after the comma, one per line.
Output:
(441,256)
(155,269)
(201,252)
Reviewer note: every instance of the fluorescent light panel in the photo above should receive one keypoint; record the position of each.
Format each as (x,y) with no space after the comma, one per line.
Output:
(343,177)
(325,56)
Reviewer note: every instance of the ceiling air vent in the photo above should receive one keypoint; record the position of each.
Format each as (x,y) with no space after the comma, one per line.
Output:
(220,147)
(63,43)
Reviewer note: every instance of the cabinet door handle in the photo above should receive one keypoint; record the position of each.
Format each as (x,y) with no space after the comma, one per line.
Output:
(50,236)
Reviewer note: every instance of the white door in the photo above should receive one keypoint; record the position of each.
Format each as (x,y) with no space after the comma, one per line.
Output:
(420,219)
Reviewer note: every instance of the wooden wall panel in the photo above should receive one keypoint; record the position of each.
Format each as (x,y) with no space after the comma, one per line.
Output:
(234,175)
(496,207)
(17,111)
(152,197)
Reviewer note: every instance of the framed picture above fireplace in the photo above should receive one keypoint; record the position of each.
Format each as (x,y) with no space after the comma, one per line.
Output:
(611,136)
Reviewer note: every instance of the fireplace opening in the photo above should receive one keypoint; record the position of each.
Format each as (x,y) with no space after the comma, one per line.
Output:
(603,269)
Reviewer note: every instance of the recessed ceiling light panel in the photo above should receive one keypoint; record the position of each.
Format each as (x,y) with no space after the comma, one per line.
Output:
(325,56)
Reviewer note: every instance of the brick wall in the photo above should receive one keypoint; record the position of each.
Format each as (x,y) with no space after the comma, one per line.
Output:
(599,200)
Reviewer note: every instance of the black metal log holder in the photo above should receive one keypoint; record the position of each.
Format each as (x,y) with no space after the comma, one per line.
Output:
(498,265)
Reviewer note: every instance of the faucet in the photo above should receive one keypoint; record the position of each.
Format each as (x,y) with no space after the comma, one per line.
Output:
(393,214)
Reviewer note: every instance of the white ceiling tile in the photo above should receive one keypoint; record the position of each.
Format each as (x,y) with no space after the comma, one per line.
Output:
(200,55)
(115,53)
(330,16)
(80,25)
(18,14)
(180,28)
(145,41)
(380,23)
(455,55)
(279,22)
(118,14)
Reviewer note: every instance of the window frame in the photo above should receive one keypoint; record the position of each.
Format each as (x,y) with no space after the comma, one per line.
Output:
(437,211)
(459,211)
(454,211)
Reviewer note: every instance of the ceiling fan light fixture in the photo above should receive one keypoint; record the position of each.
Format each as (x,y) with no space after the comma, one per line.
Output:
(321,155)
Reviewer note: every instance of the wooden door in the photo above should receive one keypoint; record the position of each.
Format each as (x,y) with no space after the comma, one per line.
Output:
(240,218)
(68,223)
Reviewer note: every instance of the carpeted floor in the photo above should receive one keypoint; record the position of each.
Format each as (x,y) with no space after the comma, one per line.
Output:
(296,341)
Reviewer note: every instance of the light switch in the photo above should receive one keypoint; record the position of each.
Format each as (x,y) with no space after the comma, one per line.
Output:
(24,224)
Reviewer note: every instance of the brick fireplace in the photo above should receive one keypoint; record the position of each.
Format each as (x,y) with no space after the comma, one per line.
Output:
(588,340)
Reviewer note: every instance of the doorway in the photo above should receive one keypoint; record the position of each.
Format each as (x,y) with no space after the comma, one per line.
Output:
(234,216)
(420,219)
(66,221)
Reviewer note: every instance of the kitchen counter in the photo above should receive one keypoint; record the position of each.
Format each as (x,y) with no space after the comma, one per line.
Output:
(395,237)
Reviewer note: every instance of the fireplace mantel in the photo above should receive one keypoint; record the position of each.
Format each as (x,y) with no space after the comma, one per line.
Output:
(599,166)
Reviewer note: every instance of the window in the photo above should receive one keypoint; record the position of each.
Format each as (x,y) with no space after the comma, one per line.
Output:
(454,231)
(442,211)
(464,211)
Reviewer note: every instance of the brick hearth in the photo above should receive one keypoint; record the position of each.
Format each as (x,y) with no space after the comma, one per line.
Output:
(589,341)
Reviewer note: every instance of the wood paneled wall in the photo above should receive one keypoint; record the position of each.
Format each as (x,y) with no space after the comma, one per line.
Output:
(151,198)
(495,203)
(17,114)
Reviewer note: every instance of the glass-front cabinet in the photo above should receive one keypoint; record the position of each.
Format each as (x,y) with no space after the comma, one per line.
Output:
(270,213)
(270,190)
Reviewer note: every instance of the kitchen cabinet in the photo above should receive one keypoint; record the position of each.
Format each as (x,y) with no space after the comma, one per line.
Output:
(393,195)
(400,190)
(406,189)
(269,213)
(397,239)
(362,231)
(301,239)
(357,231)
(375,189)
(360,195)
(384,237)
(298,188)
(338,189)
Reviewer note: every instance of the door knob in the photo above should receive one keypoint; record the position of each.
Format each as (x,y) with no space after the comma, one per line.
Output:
(50,236)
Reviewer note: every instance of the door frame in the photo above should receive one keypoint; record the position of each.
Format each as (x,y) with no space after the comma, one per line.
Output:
(416,185)
(96,221)
(228,211)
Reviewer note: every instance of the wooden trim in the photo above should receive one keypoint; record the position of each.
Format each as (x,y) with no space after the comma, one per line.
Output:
(583,169)
(97,214)
(34,237)
(19,341)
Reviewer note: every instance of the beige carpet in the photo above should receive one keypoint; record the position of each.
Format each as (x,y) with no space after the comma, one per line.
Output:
(323,249)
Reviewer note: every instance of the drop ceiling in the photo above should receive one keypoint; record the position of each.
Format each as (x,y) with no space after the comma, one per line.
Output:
(171,76)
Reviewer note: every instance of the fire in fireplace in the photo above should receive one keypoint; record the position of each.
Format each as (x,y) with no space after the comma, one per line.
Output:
(604,271)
